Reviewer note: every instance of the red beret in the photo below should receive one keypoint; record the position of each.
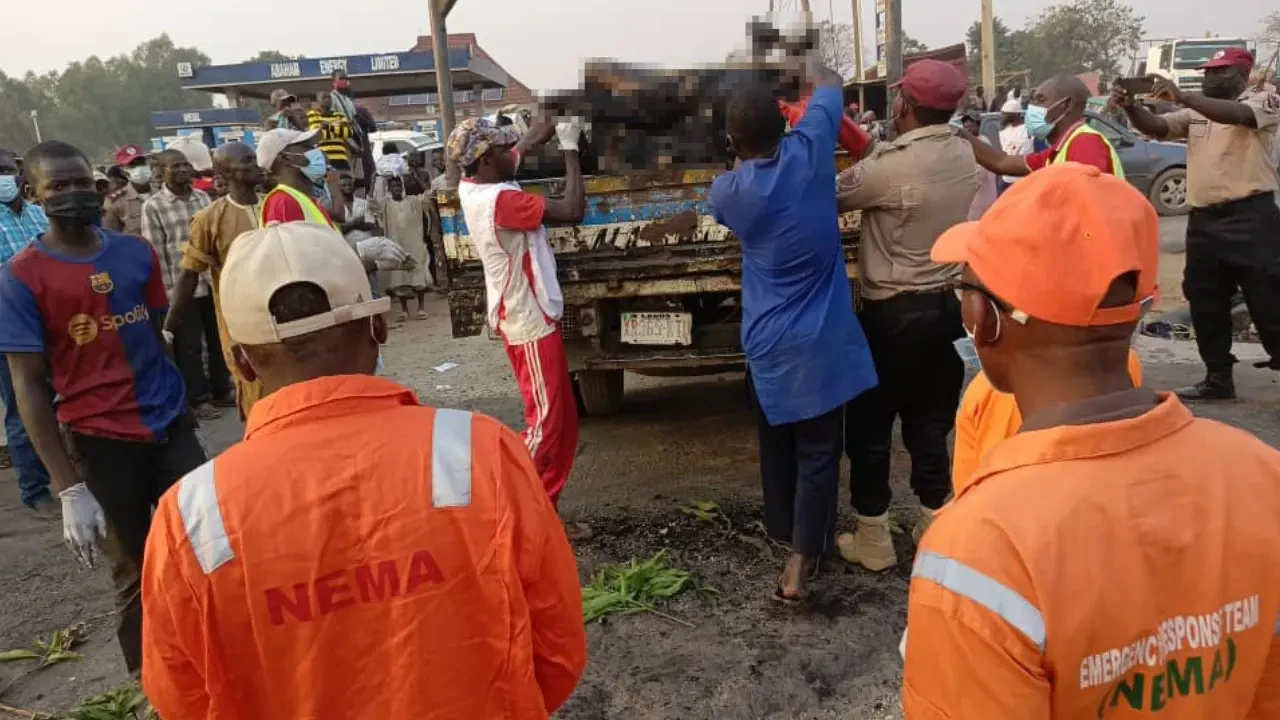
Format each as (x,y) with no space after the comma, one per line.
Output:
(1238,57)
(933,84)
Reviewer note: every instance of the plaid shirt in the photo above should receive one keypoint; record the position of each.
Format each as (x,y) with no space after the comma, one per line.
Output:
(17,231)
(166,224)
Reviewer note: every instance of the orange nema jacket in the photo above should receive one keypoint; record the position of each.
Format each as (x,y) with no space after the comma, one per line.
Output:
(361,556)
(1116,570)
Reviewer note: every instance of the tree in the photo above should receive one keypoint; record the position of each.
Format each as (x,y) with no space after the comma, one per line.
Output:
(835,47)
(1082,35)
(99,104)
(911,45)
(1269,39)
(1010,46)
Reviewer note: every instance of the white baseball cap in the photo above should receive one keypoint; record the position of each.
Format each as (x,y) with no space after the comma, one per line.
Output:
(263,261)
(273,142)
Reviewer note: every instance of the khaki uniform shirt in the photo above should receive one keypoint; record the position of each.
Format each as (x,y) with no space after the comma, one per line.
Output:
(212,232)
(124,212)
(1229,162)
(910,191)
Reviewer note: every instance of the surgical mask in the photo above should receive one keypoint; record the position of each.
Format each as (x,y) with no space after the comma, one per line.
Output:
(1037,122)
(140,175)
(75,209)
(8,188)
(316,166)
(967,351)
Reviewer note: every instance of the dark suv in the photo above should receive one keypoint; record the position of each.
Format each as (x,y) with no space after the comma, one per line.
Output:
(1157,169)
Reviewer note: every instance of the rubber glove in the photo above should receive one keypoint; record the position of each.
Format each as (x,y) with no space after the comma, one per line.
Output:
(568,133)
(384,252)
(82,522)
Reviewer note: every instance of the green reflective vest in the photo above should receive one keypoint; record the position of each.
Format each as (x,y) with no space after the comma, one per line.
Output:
(310,210)
(1084,129)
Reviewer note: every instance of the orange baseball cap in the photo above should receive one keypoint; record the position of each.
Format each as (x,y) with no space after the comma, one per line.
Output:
(1056,241)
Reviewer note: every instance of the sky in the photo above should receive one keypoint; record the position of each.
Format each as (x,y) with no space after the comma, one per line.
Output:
(541,42)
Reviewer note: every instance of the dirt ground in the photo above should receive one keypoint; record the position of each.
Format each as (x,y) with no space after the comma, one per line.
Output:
(677,440)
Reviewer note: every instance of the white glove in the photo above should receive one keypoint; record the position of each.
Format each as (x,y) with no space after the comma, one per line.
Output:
(383,252)
(568,133)
(82,522)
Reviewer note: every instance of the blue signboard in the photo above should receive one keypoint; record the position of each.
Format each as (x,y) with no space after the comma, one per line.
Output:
(317,68)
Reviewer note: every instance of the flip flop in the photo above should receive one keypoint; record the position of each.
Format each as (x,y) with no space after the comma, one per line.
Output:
(422,315)
(789,600)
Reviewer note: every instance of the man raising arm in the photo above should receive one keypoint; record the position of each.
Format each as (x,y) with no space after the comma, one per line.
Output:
(1056,115)
(1231,185)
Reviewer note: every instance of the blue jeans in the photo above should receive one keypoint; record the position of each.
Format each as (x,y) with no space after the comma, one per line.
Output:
(33,479)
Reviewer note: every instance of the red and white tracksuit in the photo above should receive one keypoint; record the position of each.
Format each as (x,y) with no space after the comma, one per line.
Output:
(525,306)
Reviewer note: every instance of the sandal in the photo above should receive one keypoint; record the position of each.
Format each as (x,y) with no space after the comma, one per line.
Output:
(791,600)
(422,315)
(402,317)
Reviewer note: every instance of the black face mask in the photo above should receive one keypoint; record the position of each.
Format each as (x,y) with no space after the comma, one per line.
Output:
(1223,87)
(75,209)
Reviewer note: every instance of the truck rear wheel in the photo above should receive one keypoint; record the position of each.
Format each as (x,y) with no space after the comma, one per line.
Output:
(600,391)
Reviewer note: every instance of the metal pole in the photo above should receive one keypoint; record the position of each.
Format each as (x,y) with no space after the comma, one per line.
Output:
(893,51)
(857,55)
(988,52)
(36,123)
(444,82)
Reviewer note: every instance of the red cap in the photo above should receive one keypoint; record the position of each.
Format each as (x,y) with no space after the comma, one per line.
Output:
(933,84)
(128,154)
(1068,215)
(1231,57)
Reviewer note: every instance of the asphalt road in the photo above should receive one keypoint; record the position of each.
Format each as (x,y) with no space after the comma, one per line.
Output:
(1173,234)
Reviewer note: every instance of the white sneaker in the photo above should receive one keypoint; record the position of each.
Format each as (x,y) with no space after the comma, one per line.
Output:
(923,522)
(870,545)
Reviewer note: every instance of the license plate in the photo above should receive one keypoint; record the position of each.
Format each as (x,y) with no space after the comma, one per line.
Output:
(657,328)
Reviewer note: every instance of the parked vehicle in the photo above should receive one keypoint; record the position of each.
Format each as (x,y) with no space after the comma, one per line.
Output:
(651,282)
(1157,169)
(402,140)
(1180,60)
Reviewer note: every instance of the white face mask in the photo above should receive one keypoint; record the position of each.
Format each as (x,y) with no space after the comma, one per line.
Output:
(140,175)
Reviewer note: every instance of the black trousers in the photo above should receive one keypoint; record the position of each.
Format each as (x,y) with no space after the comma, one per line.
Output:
(127,479)
(1229,246)
(800,475)
(197,334)
(920,374)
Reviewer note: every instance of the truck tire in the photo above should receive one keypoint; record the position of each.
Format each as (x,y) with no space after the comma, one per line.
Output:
(1169,192)
(600,392)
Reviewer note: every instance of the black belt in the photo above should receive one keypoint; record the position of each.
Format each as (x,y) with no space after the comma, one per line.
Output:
(1261,199)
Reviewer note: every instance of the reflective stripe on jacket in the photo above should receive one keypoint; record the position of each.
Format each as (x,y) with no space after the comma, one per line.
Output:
(360,555)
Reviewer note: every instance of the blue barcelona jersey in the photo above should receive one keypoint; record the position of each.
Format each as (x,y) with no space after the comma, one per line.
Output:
(92,318)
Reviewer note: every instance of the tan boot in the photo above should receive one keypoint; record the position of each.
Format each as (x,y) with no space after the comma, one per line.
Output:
(923,522)
(870,545)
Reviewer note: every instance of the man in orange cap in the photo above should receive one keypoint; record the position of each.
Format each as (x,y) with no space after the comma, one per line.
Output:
(358,555)
(910,191)
(1116,557)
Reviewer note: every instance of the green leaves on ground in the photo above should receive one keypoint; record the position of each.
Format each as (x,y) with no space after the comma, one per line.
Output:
(52,651)
(636,587)
(123,703)
(707,511)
